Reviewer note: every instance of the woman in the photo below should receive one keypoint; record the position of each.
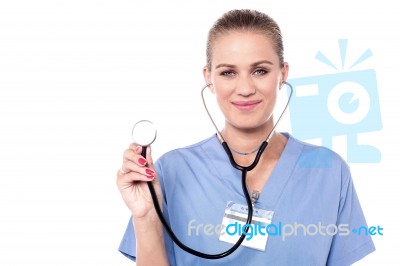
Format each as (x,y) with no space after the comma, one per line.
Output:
(306,190)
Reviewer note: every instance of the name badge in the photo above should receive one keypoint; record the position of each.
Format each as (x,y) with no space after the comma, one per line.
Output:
(234,222)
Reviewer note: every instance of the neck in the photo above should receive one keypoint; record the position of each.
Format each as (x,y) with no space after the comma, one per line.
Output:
(245,141)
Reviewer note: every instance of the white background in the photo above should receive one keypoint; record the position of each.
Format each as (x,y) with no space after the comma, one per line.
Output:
(75,75)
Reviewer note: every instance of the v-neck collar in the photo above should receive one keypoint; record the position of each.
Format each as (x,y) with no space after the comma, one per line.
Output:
(280,175)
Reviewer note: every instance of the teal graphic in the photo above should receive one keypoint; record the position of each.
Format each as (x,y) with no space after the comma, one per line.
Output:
(342,103)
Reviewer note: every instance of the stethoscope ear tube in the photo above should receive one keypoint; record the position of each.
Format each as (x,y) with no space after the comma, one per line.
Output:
(220,137)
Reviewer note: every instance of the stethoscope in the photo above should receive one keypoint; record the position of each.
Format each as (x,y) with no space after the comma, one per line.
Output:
(144,133)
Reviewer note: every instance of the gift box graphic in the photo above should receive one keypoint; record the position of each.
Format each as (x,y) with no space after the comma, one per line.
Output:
(344,103)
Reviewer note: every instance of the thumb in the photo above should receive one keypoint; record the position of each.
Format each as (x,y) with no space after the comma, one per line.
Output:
(149,159)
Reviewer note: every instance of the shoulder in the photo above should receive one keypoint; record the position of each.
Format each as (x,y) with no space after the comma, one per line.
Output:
(193,148)
(318,161)
(312,155)
(322,170)
(189,163)
(189,153)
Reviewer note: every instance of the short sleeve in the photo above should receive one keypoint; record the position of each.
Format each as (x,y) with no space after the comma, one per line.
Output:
(128,243)
(350,244)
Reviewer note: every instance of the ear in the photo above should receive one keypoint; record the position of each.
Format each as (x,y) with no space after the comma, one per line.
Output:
(284,74)
(207,77)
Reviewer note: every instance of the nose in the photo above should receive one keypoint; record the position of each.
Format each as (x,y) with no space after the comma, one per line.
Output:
(245,86)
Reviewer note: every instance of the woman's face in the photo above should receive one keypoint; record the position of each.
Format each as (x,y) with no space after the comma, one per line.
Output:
(246,75)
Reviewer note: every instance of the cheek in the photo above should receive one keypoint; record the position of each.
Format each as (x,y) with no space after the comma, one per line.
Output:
(271,95)
(222,93)
(223,88)
(268,88)
(211,88)
(222,99)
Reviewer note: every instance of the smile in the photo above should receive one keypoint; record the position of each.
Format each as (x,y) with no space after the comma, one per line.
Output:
(246,105)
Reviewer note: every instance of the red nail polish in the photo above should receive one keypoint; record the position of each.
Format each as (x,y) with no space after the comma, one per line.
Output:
(142,161)
(149,172)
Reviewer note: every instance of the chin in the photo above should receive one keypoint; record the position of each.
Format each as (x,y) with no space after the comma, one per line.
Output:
(248,125)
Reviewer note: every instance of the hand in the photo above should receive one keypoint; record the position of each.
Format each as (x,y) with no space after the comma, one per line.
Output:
(132,180)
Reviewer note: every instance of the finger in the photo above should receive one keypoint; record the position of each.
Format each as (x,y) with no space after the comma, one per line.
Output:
(121,170)
(136,148)
(149,158)
(150,164)
(130,166)
(130,155)
(132,177)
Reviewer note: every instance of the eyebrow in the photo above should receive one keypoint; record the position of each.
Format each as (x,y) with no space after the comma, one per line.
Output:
(253,65)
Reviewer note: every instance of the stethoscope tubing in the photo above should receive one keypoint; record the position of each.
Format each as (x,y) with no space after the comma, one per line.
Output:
(243,169)
(195,252)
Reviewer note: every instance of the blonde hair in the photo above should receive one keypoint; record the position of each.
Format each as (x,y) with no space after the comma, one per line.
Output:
(245,20)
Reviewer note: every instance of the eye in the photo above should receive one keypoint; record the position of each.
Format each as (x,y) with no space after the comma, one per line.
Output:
(227,73)
(260,72)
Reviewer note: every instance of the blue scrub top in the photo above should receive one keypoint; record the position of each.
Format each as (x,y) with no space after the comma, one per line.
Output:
(309,185)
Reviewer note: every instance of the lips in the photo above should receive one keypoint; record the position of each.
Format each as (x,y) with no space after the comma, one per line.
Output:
(246,105)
